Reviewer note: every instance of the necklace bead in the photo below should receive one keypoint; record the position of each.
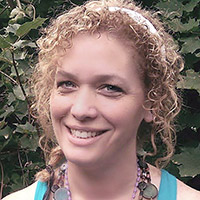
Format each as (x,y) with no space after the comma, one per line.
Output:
(61,194)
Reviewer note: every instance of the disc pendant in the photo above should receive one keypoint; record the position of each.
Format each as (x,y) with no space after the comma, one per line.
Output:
(150,192)
(61,194)
(142,185)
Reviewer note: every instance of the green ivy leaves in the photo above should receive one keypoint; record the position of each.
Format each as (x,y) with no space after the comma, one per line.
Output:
(183,20)
(188,161)
(18,134)
(190,81)
(190,45)
(3,43)
(26,27)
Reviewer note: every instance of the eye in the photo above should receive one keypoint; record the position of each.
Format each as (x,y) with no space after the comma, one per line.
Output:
(111,90)
(66,85)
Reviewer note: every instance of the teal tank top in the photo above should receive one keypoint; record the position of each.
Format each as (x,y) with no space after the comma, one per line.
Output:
(168,186)
(167,190)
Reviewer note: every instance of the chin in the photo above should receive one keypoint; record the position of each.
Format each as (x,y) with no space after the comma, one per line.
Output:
(82,160)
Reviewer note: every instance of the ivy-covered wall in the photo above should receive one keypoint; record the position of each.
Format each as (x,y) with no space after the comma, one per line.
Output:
(20,20)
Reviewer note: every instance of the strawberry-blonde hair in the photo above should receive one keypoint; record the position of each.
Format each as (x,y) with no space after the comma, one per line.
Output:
(159,70)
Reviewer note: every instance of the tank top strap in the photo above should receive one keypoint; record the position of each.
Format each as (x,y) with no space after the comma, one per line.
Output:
(40,190)
(168,186)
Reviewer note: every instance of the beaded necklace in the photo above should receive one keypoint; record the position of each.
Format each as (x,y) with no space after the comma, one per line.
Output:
(61,189)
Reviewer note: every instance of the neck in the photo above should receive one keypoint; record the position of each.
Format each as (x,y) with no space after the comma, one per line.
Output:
(112,180)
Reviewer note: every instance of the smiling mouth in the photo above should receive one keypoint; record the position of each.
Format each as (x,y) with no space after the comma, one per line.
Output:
(85,134)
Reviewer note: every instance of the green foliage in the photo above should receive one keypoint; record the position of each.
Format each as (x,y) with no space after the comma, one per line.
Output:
(19,152)
(20,156)
(182,19)
(26,27)
(190,81)
(188,160)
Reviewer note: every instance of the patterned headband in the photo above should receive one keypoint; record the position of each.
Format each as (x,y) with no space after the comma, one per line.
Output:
(140,20)
(136,17)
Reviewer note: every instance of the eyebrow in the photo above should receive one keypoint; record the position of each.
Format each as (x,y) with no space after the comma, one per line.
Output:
(65,74)
(97,78)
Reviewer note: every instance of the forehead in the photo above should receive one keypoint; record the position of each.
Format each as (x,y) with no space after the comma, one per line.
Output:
(94,57)
(104,47)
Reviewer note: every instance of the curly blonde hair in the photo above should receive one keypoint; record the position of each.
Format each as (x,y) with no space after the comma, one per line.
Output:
(160,69)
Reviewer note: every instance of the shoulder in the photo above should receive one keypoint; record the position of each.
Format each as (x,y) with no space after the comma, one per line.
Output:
(24,194)
(155,175)
(185,192)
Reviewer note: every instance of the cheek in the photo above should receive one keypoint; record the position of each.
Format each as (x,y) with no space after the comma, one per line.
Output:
(132,116)
(126,114)
(58,106)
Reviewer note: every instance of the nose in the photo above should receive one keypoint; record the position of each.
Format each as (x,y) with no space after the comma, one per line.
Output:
(83,107)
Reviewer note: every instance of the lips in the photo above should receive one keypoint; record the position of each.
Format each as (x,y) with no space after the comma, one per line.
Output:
(83,134)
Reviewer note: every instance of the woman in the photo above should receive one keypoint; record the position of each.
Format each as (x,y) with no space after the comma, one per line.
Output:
(104,69)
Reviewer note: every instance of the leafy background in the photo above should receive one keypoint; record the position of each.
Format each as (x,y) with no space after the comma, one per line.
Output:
(20,20)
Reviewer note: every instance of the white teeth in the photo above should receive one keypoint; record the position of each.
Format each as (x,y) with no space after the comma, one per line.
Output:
(83,134)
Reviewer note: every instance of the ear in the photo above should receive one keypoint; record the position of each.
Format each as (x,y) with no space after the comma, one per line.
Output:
(148,116)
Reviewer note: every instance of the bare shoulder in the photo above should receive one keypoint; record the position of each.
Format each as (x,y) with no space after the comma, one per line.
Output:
(24,194)
(185,192)
(155,175)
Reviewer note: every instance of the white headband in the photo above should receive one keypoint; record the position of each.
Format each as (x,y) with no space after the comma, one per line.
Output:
(140,20)
(136,17)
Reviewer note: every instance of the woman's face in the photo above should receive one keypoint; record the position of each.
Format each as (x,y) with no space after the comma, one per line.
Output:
(97,102)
